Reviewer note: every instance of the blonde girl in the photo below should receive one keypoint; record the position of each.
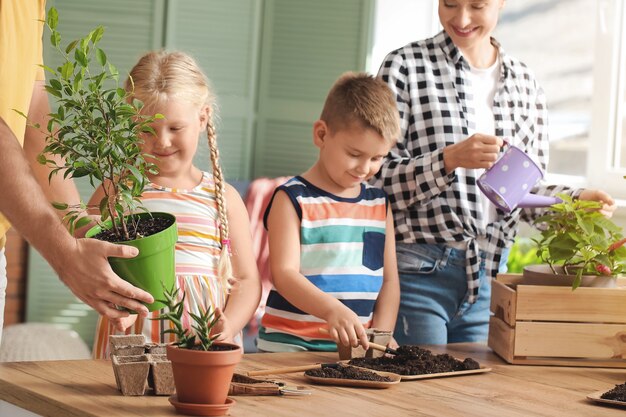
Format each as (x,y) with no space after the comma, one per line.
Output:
(215,264)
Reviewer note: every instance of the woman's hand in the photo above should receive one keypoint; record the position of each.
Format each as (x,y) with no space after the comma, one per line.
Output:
(477,151)
(608,204)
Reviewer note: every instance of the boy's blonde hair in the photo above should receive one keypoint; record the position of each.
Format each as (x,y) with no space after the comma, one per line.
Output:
(159,76)
(363,99)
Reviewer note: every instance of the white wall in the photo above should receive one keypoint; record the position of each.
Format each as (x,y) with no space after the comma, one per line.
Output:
(398,22)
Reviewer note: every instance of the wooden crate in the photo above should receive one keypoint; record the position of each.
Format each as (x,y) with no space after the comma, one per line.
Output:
(550,325)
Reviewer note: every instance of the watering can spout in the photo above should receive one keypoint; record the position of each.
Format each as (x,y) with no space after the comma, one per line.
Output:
(534,200)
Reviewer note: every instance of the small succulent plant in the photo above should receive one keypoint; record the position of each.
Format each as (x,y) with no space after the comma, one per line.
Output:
(200,338)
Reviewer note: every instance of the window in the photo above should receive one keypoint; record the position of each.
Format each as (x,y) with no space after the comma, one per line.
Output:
(556,40)
(608,151)
(577,49)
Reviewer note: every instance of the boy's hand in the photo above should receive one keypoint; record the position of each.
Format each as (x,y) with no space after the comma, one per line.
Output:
(392,343)
(346,329)
(223,327)
(123,323)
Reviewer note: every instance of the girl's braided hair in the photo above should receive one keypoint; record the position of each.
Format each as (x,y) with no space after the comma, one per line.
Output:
(159,76)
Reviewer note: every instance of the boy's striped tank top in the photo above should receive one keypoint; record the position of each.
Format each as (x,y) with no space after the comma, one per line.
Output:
(197,253)
(341,252)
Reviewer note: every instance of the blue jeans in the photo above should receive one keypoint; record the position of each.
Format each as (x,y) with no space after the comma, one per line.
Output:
(433,296)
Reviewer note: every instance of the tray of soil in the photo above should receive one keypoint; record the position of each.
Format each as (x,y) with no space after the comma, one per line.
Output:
(413,362)
(352,376)
(616,396)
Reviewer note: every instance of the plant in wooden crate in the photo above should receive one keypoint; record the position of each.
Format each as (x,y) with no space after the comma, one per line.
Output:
(578,240)
(97,132)
(202,367)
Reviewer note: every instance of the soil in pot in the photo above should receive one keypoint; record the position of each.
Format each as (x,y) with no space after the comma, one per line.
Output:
(616,394)
(347,372)
(146,227)
(413,360)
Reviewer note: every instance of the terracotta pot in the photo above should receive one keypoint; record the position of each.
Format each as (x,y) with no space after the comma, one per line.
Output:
(203,377)
(543,275)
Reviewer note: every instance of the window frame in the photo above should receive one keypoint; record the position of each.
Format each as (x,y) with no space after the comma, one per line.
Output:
(608,91)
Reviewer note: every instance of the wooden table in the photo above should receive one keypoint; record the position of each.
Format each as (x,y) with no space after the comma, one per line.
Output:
(87,388)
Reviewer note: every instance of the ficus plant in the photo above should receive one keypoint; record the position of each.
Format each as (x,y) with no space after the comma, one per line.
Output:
(96,130)
(577,237)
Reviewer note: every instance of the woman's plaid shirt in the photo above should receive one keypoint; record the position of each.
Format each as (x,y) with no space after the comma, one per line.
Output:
(429,79)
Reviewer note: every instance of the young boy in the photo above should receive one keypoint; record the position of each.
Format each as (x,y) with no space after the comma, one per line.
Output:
(331,239)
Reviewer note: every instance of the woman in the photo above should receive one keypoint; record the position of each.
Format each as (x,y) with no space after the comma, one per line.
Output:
(460,96)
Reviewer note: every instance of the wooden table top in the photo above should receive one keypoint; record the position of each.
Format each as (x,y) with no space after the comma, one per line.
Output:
(87,388)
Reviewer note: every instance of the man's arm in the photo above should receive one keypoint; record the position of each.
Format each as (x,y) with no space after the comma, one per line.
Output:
(57,189)
(80,263)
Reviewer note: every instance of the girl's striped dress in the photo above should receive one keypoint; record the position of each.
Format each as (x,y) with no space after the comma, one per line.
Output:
(197,254)
(342,244)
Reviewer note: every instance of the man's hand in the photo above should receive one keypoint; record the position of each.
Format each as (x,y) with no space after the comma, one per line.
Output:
(84,268)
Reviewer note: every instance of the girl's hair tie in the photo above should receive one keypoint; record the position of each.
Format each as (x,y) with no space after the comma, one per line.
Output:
(226,244)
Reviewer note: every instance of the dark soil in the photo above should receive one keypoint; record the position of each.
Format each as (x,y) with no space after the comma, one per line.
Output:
(215,347)
(413,360)
(243,379)
(145,227)
(347,372)
(617,394)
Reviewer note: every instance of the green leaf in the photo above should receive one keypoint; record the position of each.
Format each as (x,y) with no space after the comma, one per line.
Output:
(78,81)
(81,58)
(53,18)
(83,221)
(55,38)
(20,113)
(113,71)
(41,158)
(47,68)
(71,46)
(67,70)
(56,84)
(80,172)
(578,279)
(53,91)
(96,35)
(84,44)
(59,206)
(101,57)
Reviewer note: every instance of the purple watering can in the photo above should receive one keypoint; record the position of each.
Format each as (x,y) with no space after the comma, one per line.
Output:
(509,181)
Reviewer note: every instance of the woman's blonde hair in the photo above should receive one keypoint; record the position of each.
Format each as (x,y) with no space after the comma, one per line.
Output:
(159,76)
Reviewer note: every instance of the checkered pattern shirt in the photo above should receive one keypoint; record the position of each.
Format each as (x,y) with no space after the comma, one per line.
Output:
(430,81)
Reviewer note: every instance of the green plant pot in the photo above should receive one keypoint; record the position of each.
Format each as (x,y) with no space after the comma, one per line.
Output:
(154,267)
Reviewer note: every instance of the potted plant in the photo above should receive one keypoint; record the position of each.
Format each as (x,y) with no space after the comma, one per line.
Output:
(202,367)
(96,131)
(579,242)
